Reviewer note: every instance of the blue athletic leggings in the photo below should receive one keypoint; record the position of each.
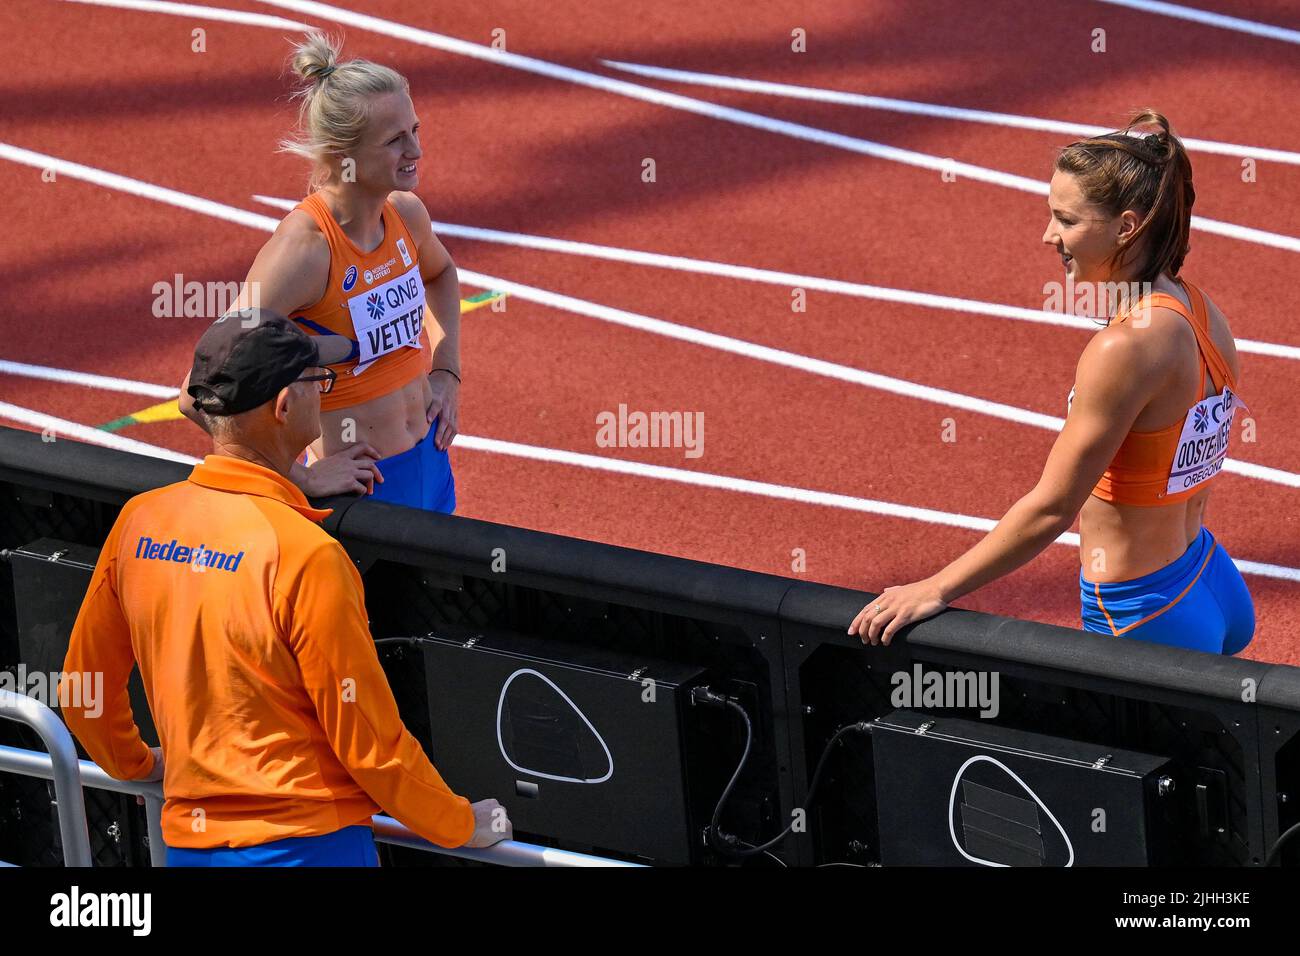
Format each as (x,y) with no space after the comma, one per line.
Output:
(1199,602)
(419,477)
(351,846)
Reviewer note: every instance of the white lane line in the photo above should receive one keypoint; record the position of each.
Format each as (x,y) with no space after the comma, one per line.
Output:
(1263,473)
(688,104)
(195,11)
(701,479)
(620,466)
(87,379)
(787,279)
(648,94)
(61,427)
(788,493)
(1208,18)
(642,322)
(567,303)
(817,283)
(804,363)
(137,187)
(763,353)
(935,110)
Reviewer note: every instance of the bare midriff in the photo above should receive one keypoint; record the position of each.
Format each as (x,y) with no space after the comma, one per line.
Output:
(391,423)
(1123,542)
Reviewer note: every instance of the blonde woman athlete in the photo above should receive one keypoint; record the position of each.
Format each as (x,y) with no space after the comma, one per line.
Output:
(1150,418)
(358,258)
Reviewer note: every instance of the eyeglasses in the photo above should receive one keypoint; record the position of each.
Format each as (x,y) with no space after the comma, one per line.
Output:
(326,380)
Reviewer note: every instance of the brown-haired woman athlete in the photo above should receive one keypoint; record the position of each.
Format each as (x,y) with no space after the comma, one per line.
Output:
(1149,419)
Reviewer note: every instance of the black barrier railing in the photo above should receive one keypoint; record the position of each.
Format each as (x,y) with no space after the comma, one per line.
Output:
(462,608)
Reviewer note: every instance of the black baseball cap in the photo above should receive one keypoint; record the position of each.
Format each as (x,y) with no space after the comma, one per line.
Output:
(246,357)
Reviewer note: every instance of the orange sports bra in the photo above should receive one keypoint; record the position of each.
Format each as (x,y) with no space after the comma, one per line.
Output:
(1167,466)
(376,300)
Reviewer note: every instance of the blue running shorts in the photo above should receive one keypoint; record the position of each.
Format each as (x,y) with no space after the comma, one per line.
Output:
(351,846)
(1198,602)
(419,477)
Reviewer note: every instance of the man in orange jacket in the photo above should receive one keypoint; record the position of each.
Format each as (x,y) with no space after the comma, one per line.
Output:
(248,623)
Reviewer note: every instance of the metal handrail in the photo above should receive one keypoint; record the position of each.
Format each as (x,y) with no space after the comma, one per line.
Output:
(505,853)
(64,770)
(33,763)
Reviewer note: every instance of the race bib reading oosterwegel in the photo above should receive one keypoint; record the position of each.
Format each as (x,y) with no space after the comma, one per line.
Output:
(1203,444)
(388,317)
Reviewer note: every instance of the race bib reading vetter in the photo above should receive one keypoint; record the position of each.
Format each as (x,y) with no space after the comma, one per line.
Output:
(1203,444)
(388,317)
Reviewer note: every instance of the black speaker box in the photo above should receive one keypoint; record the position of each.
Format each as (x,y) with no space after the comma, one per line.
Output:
(50,578)
(968,793)
(50,581)
(583,745)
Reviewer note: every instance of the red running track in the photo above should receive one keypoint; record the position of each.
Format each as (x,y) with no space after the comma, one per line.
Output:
(122,91)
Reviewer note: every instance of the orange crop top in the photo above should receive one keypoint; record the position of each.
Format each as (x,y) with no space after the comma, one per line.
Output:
(376,300)
(1169,465)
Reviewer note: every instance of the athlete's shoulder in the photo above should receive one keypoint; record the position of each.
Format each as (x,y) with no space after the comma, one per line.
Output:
(1119,356)
(1176,324)
(296,258)
(1116,343)
(413,212)
(408,203)
(299,230)
(290,272)
(1114,379)
(1162,318)
(1155,323)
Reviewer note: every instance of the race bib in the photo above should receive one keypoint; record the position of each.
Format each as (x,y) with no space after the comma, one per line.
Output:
(1203,444)
(388,317)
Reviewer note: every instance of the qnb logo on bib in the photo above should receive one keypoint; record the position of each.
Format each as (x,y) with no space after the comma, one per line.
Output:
(1203,443)
(388,317)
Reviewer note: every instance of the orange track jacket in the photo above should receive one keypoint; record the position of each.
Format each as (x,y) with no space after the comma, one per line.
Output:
(249,625)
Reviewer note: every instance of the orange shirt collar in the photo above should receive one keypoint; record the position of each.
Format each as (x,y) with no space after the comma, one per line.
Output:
(224,473)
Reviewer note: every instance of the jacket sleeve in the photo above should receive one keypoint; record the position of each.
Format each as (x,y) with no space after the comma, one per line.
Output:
(99,713)
(325,621)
